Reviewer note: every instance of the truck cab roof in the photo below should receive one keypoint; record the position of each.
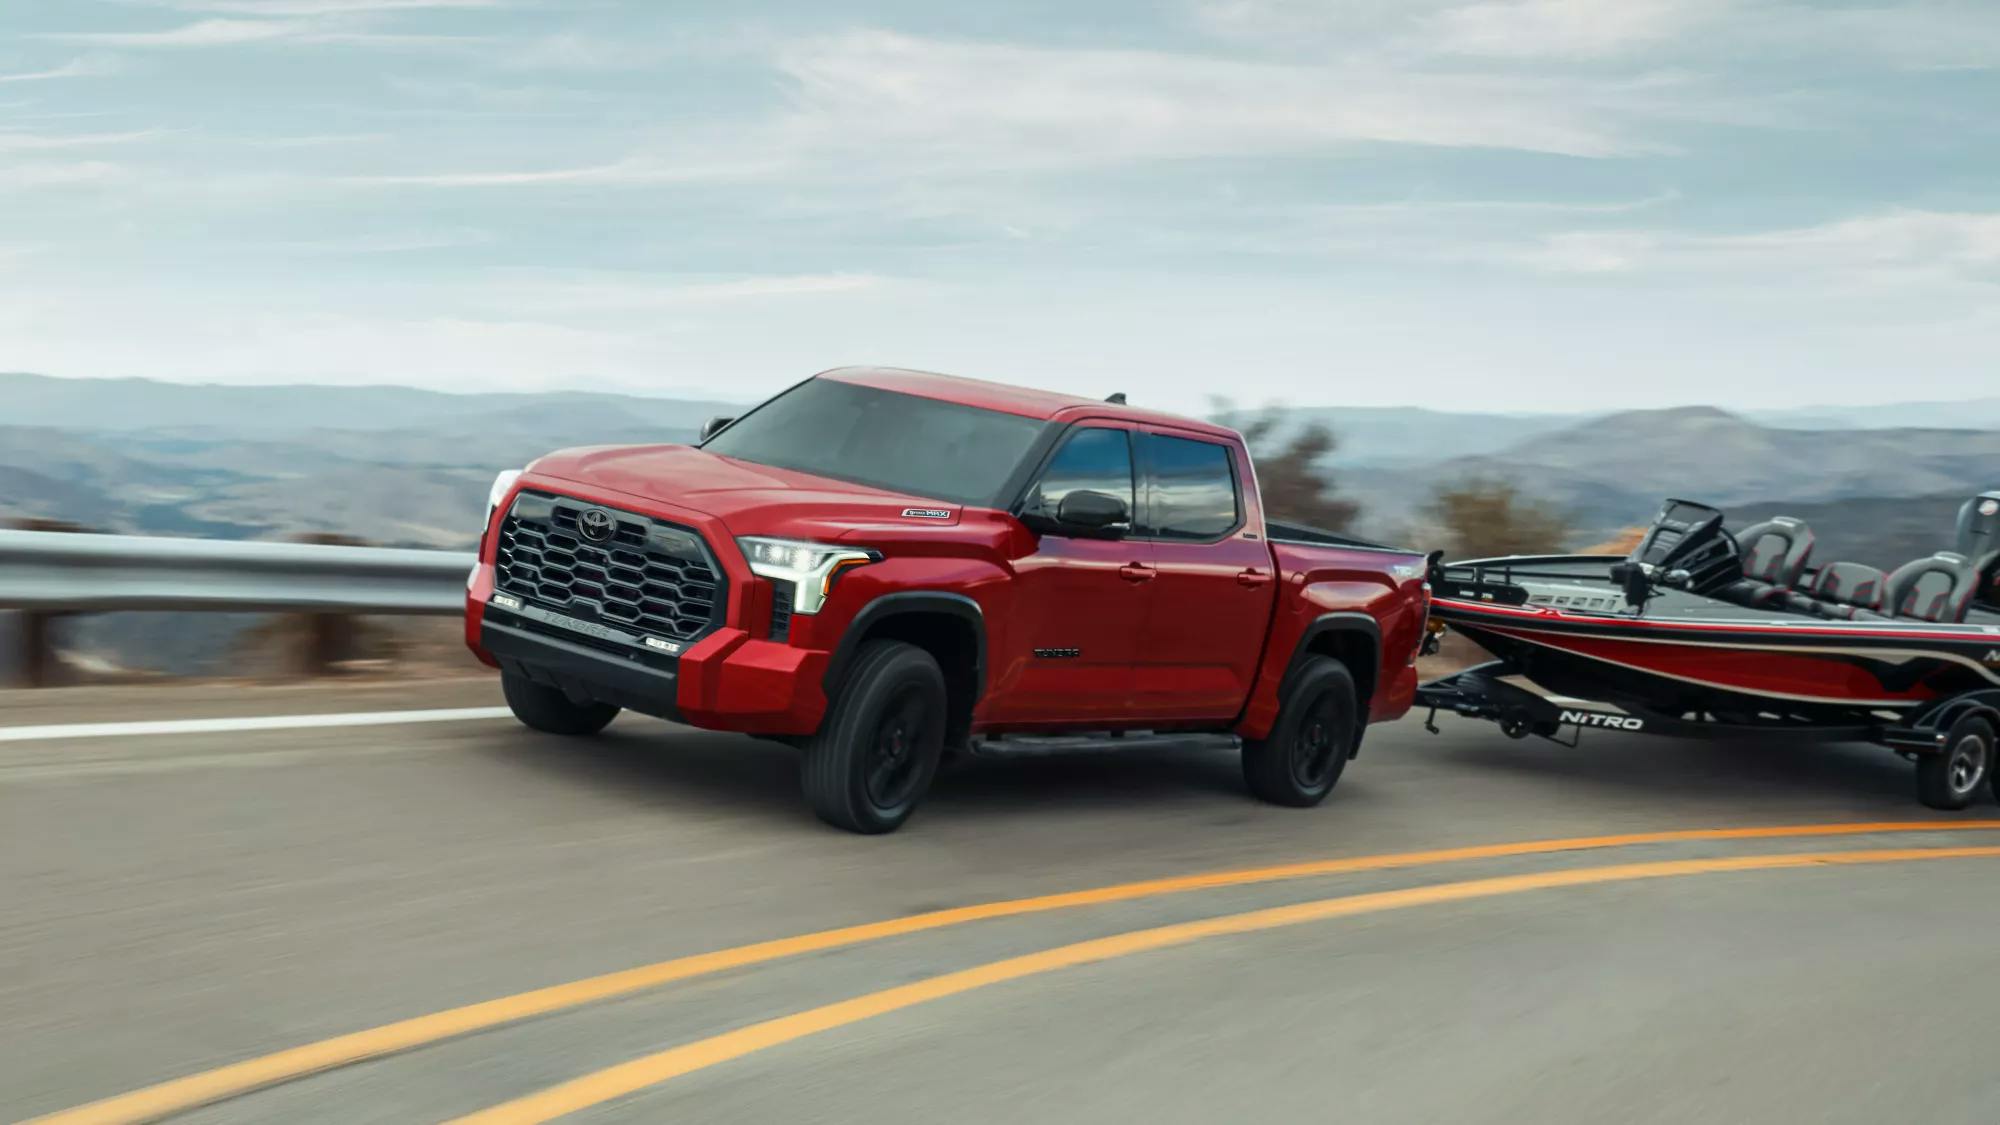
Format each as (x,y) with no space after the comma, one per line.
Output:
(1046,405)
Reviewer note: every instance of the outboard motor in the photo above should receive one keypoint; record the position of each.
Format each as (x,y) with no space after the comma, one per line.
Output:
(1979,540)
(1685,549)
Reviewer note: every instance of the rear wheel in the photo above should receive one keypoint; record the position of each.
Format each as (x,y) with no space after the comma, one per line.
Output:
(1951,778)
(1308,747)
(544,708)
(877,752)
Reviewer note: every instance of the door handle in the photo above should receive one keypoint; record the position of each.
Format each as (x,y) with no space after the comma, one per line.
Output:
(1136,572)
(1252,577)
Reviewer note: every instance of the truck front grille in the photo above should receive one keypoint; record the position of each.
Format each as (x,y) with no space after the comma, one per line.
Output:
(644,575)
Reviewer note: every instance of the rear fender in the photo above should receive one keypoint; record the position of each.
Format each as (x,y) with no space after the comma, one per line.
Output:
(1353,635)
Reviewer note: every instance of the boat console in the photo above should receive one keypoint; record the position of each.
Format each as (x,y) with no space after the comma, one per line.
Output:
(1685,549)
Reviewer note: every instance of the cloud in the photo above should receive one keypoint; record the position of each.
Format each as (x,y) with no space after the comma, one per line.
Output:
(891,106)
(323,7)
(39,174)
(1008,105)
(1892,248)
(1528,29)
(238,32)
(38,142)
(634,171)
(1900,33)
(467,92)
(595,293)
(204,33)
(75,68)
(320,140)
(389,243)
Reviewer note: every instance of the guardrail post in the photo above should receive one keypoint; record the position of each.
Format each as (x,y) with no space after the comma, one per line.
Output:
(326,639)
(35,662)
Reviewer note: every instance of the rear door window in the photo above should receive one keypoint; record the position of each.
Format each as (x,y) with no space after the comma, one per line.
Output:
(1191,488)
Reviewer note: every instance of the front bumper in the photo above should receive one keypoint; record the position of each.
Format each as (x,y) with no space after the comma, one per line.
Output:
(725,681)
(579,671)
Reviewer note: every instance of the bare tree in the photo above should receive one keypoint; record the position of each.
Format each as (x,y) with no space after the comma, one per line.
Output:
(1292,474)
(1486,518)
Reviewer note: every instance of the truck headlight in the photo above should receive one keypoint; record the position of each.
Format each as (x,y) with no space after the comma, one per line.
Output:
(808,568)
(503,483)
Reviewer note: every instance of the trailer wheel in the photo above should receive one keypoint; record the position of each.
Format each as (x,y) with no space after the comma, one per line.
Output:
(1317,730)
(546,709)
(878,748)
(1950,778)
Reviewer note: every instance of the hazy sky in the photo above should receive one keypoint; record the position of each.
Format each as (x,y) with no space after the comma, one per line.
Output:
(1504,203)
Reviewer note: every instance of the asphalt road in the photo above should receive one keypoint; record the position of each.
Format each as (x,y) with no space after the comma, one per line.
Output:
(172,903)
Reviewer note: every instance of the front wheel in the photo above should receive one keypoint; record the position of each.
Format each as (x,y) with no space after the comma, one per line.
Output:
(544,708)
(1949,779)
(1319,723)
(878,749)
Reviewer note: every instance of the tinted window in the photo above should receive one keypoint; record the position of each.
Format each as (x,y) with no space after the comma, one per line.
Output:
(904,443)
(1096,460)
(1192,491)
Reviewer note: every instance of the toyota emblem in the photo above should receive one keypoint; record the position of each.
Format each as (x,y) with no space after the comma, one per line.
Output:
(596,524)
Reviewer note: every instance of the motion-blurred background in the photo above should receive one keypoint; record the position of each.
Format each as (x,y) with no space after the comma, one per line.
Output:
(399,466)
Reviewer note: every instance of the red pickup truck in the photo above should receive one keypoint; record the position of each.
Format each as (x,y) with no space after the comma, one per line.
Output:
(881,566)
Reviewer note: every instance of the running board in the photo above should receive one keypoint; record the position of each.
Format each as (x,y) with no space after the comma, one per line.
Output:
(1050,745)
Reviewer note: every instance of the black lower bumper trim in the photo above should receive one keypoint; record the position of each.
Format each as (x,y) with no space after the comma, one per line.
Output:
(582,672)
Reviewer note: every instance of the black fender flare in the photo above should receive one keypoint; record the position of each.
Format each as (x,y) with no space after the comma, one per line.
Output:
(1984,703)
(1339,621)
(904,604)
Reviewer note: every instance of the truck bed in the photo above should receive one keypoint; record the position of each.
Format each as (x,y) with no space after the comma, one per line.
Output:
(1319,537)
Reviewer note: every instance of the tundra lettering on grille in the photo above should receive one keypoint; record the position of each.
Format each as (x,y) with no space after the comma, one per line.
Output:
(598,564)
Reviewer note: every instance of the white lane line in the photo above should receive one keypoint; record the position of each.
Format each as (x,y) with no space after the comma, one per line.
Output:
(247,723)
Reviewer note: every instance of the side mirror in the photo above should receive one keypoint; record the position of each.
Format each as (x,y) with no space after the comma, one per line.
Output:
(1091,513)
(714,426)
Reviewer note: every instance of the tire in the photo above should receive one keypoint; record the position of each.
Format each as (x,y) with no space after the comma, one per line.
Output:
(878,749)
(1318,728)
(549,710)
(1950,779)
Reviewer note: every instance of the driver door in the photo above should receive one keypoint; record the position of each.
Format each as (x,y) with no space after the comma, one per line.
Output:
(1080,603)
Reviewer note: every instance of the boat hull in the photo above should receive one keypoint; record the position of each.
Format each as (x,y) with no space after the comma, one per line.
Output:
(1769,666)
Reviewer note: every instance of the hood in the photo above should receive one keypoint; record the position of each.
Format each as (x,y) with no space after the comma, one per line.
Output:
(750,499)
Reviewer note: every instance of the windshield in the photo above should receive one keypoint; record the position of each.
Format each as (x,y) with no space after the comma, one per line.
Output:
(904,443)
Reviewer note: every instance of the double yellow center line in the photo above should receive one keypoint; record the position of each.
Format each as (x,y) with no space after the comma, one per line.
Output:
(177,1095)
(651,1070)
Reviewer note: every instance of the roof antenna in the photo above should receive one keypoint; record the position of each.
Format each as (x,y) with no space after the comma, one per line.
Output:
(1117,399)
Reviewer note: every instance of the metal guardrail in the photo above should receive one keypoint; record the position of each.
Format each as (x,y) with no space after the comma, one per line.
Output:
(61,572)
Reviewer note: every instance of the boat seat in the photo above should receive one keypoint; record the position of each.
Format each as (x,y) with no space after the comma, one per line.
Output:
(1937,588)
(1775,554)
(1979,540)
(1846,591)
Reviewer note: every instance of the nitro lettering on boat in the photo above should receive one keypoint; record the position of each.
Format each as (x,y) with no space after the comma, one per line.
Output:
(1593,719)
